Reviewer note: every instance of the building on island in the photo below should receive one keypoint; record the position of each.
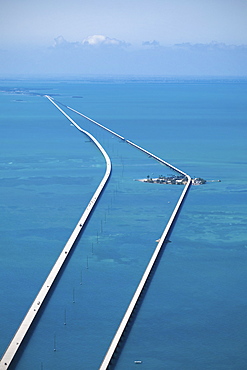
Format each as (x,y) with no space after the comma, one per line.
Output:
(173,180)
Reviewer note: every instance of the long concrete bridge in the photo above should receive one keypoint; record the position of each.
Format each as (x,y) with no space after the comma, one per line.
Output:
(30,316)
(42,294)
(121,329)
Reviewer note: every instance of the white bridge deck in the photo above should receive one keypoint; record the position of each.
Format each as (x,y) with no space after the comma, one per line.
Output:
(35,306)
(33,310)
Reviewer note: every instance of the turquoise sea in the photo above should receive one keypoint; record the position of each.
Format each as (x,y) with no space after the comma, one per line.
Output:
(193,314)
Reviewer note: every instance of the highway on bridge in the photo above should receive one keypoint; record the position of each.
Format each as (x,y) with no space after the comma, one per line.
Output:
(33,310)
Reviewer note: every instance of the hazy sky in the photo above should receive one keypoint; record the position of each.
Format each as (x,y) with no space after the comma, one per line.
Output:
(133,21)
(132,25)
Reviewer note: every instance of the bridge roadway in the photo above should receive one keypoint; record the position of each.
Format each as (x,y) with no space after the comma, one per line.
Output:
(40,298)
(120,331)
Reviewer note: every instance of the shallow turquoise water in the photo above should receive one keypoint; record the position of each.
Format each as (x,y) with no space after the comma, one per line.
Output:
(193,314)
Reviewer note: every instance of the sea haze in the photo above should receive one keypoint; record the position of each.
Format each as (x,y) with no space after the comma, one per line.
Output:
(193,314)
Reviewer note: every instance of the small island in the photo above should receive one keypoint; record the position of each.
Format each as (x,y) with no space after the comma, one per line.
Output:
(173,180)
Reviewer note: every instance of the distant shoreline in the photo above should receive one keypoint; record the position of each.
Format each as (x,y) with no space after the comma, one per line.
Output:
(126,78)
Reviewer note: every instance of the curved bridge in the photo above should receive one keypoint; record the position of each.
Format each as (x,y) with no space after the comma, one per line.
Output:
(37,303)
(33,310)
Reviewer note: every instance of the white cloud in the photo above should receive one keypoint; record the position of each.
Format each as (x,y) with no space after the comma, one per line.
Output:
(94,41)
(98,40)
(151,43)
(60,42)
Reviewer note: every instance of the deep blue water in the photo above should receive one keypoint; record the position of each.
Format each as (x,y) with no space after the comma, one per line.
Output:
(193,315)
